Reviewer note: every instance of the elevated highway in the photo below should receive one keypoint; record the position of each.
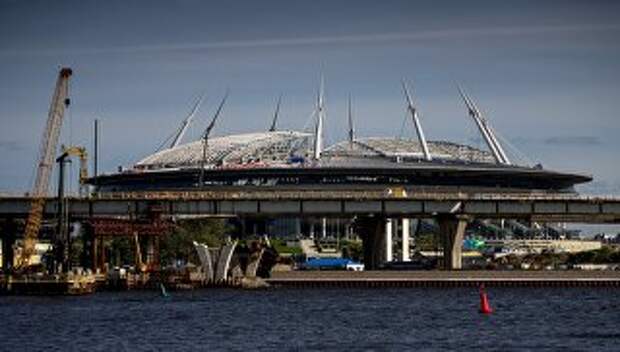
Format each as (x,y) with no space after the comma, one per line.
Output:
(374,210)
(332,203)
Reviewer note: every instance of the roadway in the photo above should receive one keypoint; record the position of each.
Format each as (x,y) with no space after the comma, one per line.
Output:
(333,203)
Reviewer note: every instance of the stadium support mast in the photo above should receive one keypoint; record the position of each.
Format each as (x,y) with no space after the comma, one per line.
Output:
(351,128)
(485,130)
(205,139)
(499,147)
(185,124)
(416,122)
(275,115)
(318,132)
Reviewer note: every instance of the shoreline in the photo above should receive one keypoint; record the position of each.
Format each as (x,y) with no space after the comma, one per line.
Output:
(445,279)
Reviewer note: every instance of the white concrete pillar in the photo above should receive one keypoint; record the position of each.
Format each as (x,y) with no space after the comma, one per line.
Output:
(324,234)
(405,241)
(298,227)
(389,256)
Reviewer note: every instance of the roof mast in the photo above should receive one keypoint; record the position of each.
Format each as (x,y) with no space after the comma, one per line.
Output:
(318,132)
(351,128)
(485,129)
(185,124)
(205,139)
(499,147)
(485,124)
(416,122)
(275,115)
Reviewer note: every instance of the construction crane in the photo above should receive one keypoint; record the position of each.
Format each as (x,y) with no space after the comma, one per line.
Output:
(47,151)
(62,243)
(81,153)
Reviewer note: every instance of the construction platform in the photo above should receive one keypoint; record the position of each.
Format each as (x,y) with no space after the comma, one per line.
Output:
(434,278)
(37,284)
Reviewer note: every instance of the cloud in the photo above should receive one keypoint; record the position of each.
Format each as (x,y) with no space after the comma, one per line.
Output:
(11,146)
(337,39)
(573,140)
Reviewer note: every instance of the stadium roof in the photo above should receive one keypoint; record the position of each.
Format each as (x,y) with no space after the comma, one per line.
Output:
(275,149)
(407,149)
(232,149)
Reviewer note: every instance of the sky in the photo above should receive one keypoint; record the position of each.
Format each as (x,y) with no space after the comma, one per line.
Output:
(545,74)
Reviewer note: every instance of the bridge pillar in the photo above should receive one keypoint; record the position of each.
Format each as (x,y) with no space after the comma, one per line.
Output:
(88,237)
(405,240)
(98,250)
(9,232)
(452,230)
(152,252)
(298,227)
(389,256)
(372,232)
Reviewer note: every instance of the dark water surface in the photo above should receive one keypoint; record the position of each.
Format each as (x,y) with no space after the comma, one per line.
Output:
(555,319)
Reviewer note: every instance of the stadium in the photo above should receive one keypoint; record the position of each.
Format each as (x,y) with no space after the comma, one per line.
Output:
(297,159)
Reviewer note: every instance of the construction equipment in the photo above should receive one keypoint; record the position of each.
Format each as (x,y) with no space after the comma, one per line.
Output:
(81,153)
(47,151)
(63,241)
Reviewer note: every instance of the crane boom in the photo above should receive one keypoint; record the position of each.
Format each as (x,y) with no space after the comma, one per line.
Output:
(47,151)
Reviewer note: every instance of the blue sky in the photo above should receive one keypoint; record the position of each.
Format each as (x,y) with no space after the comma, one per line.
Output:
(545,73)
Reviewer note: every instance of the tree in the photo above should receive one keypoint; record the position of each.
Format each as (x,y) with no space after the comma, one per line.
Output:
(179,244)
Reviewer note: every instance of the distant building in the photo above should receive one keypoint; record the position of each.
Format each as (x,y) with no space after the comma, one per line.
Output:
(539,246)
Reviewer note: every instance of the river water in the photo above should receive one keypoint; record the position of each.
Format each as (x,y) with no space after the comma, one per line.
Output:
(548,319)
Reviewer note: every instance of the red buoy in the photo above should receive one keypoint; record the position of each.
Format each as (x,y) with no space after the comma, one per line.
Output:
(485,308)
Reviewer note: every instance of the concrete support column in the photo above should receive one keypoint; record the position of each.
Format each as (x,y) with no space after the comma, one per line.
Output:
(405,240)
(150,251)
(9,232)
(372,232)
(324,228)
(452,230)
(297,227)
(95,252)
(98,254)
(389,256)
(86,258)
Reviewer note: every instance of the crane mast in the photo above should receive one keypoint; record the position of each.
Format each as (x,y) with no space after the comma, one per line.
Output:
(47,151)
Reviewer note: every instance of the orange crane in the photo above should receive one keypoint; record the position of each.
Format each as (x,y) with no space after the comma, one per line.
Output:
(47,151)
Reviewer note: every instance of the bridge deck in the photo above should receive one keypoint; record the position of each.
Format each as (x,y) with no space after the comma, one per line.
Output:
(336,203)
